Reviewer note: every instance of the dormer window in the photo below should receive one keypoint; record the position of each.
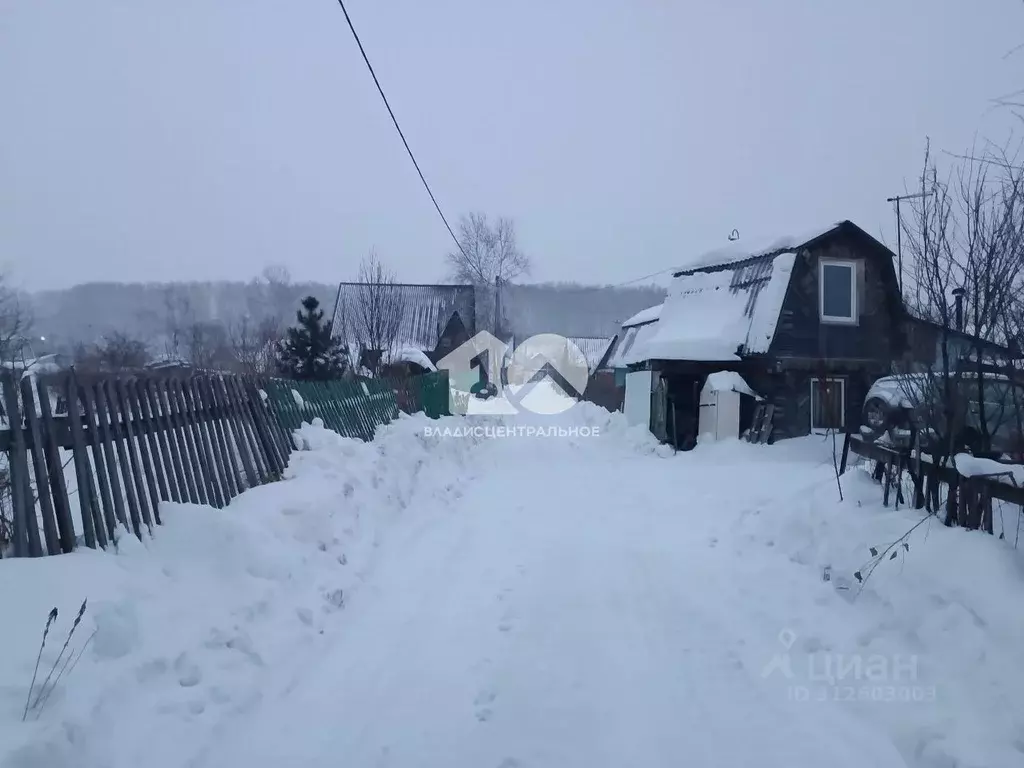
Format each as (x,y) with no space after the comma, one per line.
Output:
(837,289)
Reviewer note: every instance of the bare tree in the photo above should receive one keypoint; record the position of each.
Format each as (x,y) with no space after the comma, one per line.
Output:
(373,322)
(207,346)
(202,344)
(965,239)
(488,251)
(489,255)
(116,352)
(178,317)
(274,297)
(15,323)
(253,343)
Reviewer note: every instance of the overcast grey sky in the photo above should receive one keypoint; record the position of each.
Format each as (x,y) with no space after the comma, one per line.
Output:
(194,139)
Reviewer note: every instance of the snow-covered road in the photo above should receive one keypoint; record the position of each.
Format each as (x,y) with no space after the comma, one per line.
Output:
(554,616)
(531,602)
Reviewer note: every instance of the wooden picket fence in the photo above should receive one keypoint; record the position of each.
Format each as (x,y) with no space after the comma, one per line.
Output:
(137,440)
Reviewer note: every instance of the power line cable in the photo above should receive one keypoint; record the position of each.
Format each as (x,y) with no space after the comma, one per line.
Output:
(647,277)
(398,128)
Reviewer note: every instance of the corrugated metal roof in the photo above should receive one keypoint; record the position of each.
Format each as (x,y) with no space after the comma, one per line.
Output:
(648,315)
(719,313)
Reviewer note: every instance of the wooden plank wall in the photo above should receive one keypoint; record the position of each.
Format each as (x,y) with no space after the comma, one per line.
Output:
(90,456)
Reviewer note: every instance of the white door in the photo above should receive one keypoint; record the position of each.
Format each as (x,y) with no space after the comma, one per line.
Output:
(637,403)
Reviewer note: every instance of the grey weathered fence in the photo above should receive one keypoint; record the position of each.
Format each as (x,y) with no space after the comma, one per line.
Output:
(968,500)
(128,442)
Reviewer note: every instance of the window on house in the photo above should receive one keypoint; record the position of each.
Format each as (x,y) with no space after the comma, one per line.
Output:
(838,289)
(828,404)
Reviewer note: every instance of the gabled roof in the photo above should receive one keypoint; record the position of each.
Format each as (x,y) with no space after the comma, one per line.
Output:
(427,309)
(727,304)
(722,257)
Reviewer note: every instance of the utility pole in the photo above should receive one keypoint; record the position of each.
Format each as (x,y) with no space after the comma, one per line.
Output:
(899,229)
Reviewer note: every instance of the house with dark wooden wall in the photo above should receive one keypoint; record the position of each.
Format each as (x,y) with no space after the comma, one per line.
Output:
(809,322)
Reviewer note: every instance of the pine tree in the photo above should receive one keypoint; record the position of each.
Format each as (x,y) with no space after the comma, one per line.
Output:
(309,353)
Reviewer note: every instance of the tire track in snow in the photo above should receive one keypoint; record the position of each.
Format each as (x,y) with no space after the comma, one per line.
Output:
(534,626)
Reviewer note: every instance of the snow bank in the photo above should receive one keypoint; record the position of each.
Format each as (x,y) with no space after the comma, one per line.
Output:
(973,466)
(942,621)
(188,623)
(559,419)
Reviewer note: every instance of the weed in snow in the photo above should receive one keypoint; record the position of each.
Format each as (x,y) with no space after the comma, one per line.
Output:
(69,661)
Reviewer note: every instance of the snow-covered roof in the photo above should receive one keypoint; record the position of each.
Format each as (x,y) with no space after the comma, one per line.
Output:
(648,315)
(42,364)
(629,348)
(738,252)
(717,313)
(412,355)
(729,381)
(426,310)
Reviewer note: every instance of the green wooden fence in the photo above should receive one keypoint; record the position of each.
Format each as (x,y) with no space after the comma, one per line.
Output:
(354,408)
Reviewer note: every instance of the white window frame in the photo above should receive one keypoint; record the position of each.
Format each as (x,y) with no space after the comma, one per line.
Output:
(852,320)
(842,402)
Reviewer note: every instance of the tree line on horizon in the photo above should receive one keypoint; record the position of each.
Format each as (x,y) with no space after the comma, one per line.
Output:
(269,325)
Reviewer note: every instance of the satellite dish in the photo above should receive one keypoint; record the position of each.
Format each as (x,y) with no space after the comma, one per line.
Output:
(734,235)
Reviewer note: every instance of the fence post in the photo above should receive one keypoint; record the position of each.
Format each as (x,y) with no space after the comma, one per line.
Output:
(59,488)
(21,497)
(39,465)
(103,449)
(251,457)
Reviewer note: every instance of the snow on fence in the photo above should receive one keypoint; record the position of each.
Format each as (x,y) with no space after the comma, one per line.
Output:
(969,488)
(126,443)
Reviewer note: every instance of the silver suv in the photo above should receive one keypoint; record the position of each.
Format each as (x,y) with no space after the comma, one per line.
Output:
(899,406)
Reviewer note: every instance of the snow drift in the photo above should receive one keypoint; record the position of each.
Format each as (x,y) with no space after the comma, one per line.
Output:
(187,623)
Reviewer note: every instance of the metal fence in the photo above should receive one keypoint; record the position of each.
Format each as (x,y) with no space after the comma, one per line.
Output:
(88,454)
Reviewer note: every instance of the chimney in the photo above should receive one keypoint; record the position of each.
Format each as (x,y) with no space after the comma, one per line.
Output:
(958,298)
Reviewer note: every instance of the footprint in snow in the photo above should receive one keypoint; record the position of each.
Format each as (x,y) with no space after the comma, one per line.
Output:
(189,674)
(482,702)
